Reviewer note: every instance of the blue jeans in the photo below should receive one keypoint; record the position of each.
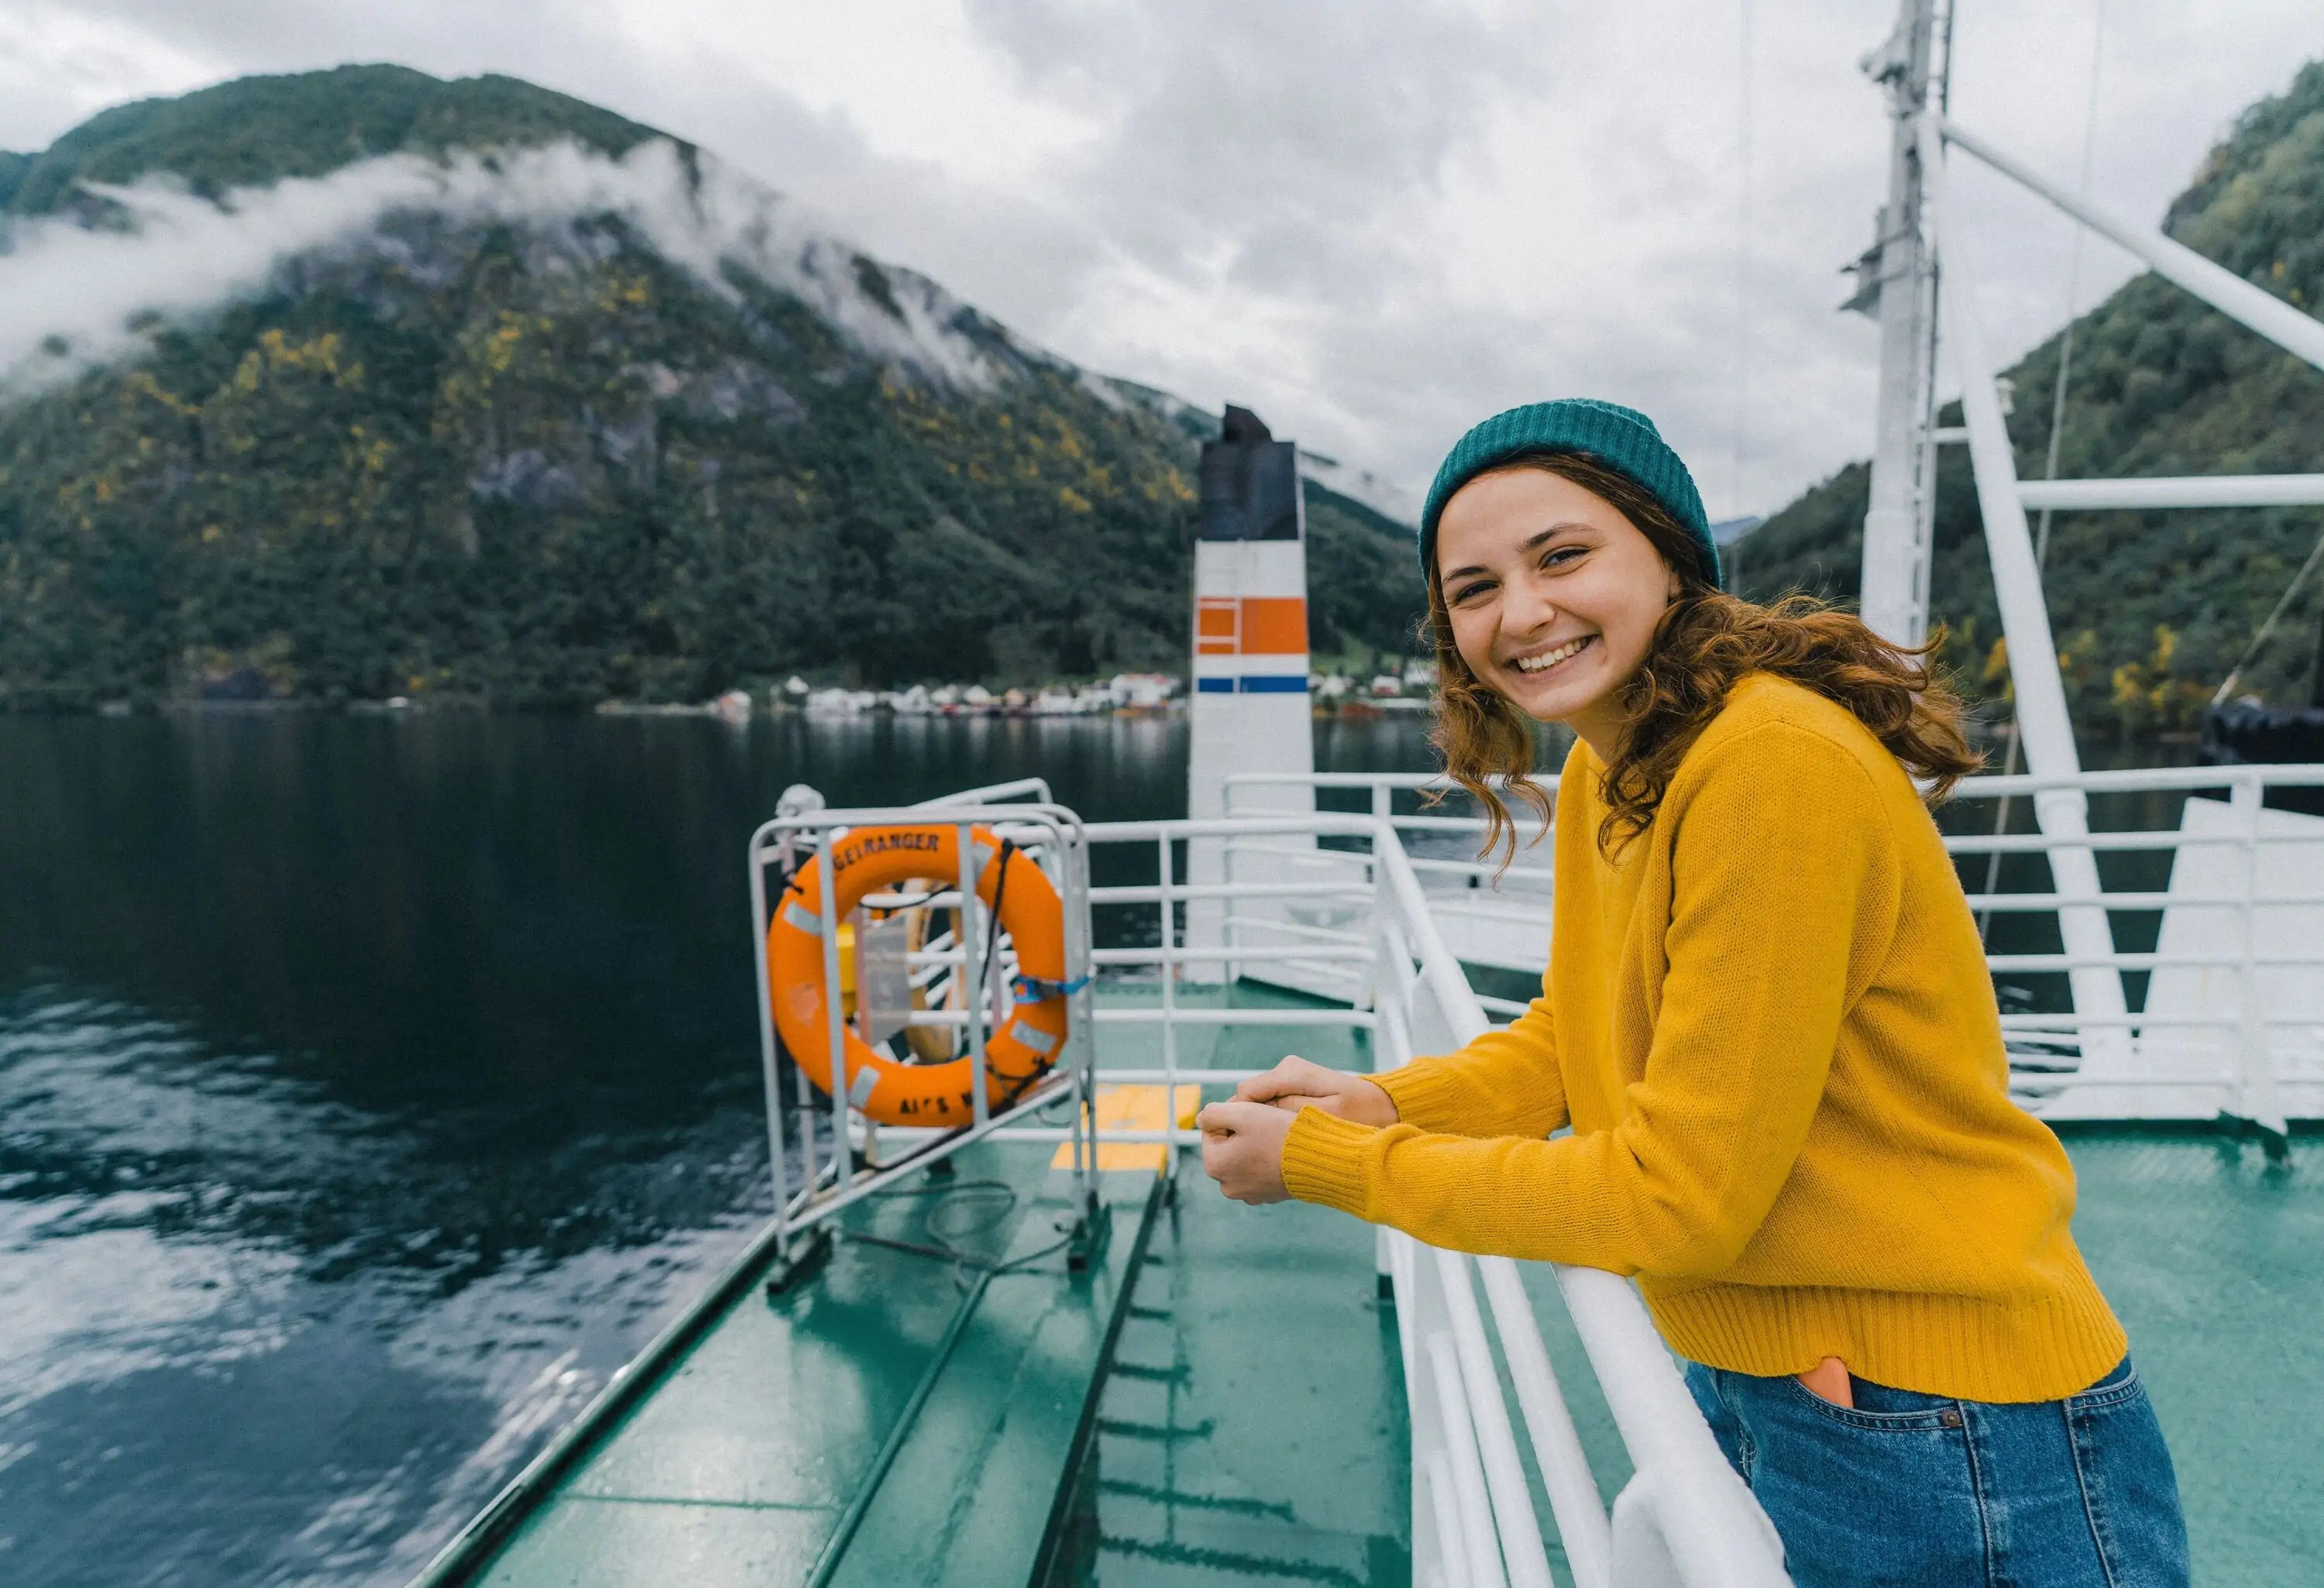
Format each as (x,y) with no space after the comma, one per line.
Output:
(1921,1491)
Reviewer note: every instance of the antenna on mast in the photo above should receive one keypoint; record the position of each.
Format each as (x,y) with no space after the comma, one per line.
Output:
(1896,284)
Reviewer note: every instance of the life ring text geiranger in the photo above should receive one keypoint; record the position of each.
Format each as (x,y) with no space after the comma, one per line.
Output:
(869,860)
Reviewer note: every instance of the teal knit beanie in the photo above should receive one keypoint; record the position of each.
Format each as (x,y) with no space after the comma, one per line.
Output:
(1621,438)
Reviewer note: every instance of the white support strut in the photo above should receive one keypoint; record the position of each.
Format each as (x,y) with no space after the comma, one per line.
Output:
(2298,334)
(2175,491)
(2043,724)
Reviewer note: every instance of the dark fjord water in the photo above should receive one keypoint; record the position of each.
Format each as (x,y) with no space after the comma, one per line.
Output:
(370,1088)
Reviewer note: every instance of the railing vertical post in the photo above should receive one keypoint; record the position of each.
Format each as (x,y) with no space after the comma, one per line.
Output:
(974,988)
(1505,1482)
(768,1070)
(1437,1520)
(1372,993)
(1230,921)
(834,1021)
(1565,1477)
(1083,1003)
(2257,1101)
(1468,1491)
(1167,873)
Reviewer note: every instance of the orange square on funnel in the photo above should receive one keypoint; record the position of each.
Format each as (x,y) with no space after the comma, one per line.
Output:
(1274,625)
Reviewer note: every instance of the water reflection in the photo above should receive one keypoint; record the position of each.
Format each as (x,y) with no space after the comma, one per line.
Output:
(370,1087)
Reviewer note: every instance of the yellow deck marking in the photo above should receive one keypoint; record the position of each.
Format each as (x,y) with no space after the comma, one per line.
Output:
(1134,1108)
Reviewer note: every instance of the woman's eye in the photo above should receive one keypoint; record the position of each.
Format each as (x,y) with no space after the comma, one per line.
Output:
(1560,556)
(1462,595)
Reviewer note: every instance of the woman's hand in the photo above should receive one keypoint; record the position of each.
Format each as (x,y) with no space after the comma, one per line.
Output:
(1297,1084)
(1242,1149)
(1242,1139)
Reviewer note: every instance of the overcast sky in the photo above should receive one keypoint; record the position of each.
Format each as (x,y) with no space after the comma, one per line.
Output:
(1375,221)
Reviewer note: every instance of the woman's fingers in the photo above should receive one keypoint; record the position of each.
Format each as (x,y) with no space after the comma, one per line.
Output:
(1294,1076)
(1242,1149)
(1224,1119)
(1297,1084)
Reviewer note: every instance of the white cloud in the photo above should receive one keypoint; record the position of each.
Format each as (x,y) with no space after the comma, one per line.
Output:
(78,297)
(1374,222)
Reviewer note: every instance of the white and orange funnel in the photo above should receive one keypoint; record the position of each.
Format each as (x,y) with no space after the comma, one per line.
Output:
(1248,711)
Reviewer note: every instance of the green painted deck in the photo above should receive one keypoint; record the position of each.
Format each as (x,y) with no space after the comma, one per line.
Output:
(741,1464)
(941,1432)
(2214,1259)
(1251,1428)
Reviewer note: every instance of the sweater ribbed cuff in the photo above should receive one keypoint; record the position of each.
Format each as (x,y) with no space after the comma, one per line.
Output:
(1324,1160)
(1425,1092)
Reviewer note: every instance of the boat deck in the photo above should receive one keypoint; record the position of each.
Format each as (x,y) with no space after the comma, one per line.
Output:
(880,1423)
(891,1421)
(2213,1258)
(1220,1399)
(1252,1423)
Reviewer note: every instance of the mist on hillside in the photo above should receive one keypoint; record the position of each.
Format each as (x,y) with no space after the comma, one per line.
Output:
(81,296)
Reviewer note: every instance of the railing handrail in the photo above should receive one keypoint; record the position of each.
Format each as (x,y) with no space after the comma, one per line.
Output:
(2145,779)
(1708,1523)
(2137,780)
(1718,1534)
(994,793)
(1546,780)
(1686,1503)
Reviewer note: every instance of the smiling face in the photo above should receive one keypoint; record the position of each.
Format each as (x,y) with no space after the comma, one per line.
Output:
(1552,595)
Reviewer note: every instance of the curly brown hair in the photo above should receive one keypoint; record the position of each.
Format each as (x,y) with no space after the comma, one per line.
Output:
(1704,642)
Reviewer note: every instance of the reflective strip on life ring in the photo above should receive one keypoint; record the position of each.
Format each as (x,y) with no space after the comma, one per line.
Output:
(869,860)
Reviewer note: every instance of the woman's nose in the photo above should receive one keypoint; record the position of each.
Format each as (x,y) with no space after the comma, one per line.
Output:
(1525,611)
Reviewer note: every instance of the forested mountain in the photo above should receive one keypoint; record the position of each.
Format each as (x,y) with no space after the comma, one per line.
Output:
(528,403)
(2150,610)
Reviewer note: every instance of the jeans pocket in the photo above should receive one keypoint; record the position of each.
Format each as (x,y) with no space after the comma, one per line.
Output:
(1863,1496)
(2128,1485)
(1880,1409)
(2120,1384)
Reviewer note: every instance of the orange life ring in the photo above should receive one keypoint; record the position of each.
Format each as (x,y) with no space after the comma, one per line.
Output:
(869,860)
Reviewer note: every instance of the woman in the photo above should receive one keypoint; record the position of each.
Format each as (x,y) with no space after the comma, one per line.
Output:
(1767,1019)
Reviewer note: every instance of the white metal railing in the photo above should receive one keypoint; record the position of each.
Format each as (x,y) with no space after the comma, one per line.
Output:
(1531,863)
(1683,1518)
(839,1171)
(2233,1020)
(2233,1017)
(2105,1032)
(2236,867)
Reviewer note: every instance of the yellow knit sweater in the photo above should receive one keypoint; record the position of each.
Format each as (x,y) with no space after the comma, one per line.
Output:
(1768,1020)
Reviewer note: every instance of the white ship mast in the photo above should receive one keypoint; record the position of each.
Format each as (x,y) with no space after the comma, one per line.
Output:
(1918,280)
(1896,284)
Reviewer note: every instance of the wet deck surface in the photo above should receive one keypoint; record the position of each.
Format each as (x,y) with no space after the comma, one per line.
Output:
(741,1465)
(1252,1429)
(749,1459)
(2214,1259)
